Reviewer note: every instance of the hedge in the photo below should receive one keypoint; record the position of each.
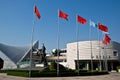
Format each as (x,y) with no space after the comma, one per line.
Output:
(118,67)
(48,73)
(51,71)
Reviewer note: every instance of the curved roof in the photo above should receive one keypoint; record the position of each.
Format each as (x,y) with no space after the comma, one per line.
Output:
(15,53)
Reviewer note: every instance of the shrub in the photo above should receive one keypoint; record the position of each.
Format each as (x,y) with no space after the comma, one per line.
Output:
(22,73)
(15,73)
(53,67)
(94,72)
(118,67)
(51,73)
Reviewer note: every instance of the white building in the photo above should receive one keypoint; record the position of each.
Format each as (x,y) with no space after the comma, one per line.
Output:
(103,56)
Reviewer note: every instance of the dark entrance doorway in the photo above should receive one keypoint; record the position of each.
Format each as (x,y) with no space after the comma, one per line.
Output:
(1,63)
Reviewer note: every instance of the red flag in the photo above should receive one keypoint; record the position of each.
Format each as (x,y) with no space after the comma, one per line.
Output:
(81,20)
(107,39)
(102,27)
(63,15)
(104,42)
(37,12)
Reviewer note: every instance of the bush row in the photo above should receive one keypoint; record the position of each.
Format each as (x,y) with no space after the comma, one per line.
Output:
(22,73)
(48,73)
(51,71)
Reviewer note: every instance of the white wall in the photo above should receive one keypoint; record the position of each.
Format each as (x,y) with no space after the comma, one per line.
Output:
(85,51)
(8,64)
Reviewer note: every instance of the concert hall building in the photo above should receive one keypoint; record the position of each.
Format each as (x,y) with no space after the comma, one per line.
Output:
(12,57)
(101,56)
(82,54)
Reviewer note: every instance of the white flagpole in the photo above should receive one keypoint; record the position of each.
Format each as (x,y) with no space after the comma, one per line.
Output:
(90,35)
(106,60)
(58,41)
(100,65)
(77,31)
(105,55)
(32,38)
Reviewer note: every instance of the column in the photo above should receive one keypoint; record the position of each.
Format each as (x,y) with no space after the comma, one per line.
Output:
(87,65)
(111,65)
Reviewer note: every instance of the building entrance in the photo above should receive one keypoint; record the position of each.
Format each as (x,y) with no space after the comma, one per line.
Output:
(1,63)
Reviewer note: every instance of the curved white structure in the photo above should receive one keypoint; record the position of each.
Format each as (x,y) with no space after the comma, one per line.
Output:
(15,54)
(102,55)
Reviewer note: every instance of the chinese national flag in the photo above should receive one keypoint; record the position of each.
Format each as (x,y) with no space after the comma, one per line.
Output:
(63,15)
(81,20)
(106,40)
(102,27)
(37,12)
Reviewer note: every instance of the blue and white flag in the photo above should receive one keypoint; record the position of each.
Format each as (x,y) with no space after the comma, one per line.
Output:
(93,24)
(106,33)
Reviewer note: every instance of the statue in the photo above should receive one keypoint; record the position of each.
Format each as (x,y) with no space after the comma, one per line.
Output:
(42,54)
(44,60)
(43,48)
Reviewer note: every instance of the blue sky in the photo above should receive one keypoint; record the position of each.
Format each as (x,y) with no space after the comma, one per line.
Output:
(16,21)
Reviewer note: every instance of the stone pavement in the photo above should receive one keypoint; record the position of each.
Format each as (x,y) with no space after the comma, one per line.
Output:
(111,76)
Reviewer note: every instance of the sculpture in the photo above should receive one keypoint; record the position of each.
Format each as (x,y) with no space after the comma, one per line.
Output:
(42,53)
(44,60)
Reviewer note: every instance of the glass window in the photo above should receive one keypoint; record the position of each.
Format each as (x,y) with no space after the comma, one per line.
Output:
(115,53)
(103,57)
(97,56)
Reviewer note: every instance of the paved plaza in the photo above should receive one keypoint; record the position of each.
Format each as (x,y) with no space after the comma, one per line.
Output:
(111,76)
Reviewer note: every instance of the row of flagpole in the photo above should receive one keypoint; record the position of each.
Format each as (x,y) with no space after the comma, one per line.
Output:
(79,19)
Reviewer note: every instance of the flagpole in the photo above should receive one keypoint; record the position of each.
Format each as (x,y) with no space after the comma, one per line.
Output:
(105,54)
(32,38)
(104,57)
(77,31)
(106,68)
(58,41)
(99,50)
(90,34)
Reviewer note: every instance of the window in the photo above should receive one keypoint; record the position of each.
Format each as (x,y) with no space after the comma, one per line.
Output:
(109,56)
(97,56)
(103,57)
(115,53)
